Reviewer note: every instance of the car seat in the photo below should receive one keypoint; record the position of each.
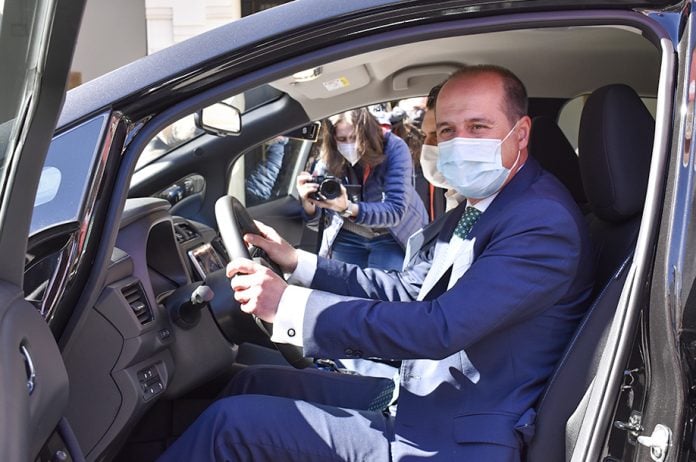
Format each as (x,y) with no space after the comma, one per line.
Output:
(615,146)
(549,146)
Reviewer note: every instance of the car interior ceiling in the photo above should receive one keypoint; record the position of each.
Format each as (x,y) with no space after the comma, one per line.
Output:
(413,69)
(377,76)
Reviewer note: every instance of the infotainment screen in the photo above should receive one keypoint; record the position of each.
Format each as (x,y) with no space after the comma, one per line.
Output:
(205,260)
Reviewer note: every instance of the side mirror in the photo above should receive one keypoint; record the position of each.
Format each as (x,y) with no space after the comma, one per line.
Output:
(220,119)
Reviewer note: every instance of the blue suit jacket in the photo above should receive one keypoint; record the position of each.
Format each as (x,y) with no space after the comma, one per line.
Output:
(476,357)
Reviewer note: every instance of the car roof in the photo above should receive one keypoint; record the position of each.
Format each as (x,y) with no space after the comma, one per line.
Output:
(224,49)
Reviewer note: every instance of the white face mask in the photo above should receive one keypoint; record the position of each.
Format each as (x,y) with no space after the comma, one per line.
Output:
(428,161)
(349,151)
(474,166)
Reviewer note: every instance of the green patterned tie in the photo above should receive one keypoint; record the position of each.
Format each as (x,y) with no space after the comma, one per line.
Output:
(466,222)
(382,400)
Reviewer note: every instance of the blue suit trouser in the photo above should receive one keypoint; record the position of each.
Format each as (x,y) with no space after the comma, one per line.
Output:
(278,424)
(307,415)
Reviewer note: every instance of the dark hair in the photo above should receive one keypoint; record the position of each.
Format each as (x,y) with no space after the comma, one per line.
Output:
(412,135)
(432,97)
(369,140)
(516,94)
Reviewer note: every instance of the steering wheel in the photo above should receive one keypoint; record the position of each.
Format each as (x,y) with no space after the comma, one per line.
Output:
(234,222)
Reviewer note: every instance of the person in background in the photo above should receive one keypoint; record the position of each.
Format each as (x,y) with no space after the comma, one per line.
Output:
(369,226)
(381,113)
(262,178)
(440,197)
(402,127)
(414,109)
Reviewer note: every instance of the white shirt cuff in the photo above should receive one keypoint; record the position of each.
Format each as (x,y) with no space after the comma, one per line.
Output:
(287,327)
(304,272)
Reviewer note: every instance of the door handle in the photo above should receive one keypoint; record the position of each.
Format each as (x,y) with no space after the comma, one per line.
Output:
(31,372)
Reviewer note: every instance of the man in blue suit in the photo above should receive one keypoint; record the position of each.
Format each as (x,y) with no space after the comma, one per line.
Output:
(478,321)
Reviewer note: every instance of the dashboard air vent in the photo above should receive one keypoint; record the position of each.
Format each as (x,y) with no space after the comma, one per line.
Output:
(184,232)
(135,297)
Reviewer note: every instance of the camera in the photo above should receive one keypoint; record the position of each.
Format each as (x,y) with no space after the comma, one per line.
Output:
(329,187)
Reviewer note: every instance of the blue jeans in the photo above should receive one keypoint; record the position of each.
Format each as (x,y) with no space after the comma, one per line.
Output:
(381,252)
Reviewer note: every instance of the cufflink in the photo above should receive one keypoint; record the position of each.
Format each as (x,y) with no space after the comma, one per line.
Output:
(291,332)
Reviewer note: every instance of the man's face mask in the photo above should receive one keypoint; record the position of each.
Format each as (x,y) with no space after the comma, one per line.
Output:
(349,151)
(428,161)
(474,166)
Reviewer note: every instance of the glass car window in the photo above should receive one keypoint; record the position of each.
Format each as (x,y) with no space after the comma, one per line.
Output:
(65,176)
(184,129)
(268,171)
(173,136)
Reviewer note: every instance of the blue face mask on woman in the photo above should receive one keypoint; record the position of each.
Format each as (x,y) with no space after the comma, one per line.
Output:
(474,166)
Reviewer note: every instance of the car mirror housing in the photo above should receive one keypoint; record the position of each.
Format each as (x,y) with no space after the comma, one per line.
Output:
(220,119)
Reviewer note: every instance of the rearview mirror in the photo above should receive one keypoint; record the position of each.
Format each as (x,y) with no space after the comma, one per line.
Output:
(220,119)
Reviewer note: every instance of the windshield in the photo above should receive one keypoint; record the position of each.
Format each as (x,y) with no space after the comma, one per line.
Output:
(184,130)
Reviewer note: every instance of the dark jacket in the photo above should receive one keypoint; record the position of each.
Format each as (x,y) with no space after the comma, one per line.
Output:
(260,182)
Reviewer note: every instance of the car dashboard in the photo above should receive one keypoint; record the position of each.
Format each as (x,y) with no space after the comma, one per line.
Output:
(130,350)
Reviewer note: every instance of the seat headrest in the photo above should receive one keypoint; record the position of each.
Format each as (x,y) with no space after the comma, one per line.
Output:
(615,144)
(549,146)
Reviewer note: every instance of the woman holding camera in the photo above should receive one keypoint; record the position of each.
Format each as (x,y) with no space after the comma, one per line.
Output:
(376,207)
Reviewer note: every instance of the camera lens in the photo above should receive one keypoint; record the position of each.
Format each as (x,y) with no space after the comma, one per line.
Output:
(330,188)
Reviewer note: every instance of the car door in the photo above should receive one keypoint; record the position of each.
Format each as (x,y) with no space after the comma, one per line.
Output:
(37,40)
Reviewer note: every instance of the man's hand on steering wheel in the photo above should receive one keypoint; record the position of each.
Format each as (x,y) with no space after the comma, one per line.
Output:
(277,248)
(257,288)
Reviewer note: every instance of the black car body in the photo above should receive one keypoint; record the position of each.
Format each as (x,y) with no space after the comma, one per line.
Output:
(113,239)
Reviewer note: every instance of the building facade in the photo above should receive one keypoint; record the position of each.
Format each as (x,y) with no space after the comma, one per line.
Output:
(113,34)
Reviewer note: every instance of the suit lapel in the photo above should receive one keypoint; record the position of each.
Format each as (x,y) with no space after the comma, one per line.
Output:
(441,263)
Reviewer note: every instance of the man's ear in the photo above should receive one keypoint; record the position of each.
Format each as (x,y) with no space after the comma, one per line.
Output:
(524,128)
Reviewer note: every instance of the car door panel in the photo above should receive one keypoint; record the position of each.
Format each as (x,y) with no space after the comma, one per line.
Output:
(28,349)
(38,40)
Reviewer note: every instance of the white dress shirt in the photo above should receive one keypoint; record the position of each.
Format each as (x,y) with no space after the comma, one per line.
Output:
(452,199)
